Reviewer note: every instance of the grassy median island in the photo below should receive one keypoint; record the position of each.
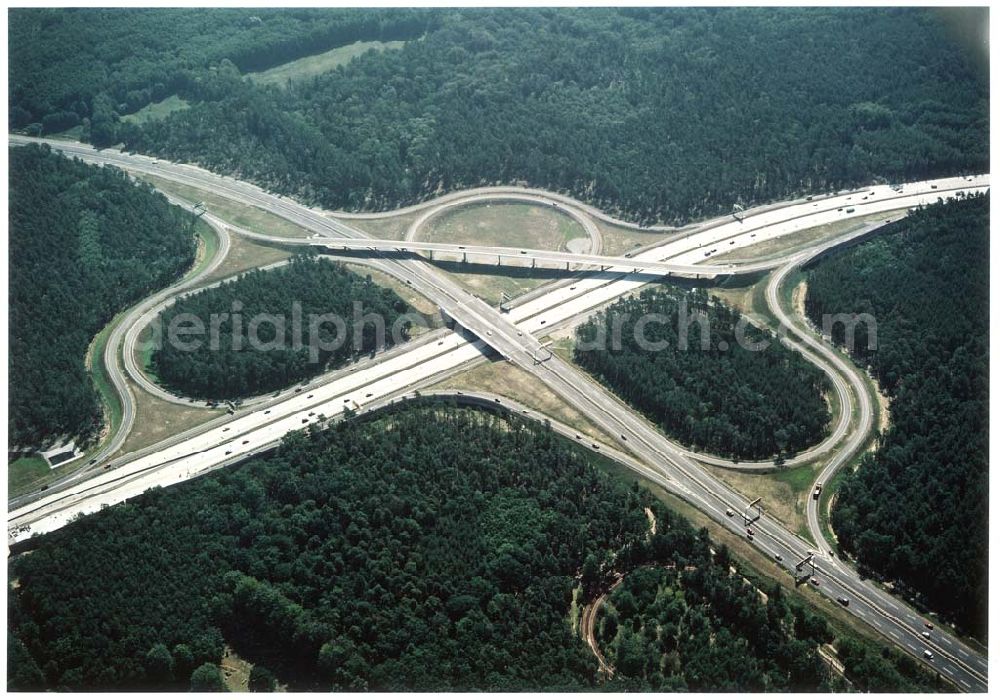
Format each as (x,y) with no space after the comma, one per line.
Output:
(725,397)
(257,346)
(501,223)
(230,210)
(508,224)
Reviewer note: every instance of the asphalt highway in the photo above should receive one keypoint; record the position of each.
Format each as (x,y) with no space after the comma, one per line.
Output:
(513,335)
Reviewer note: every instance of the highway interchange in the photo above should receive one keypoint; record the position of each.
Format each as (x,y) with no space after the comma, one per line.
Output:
(514,335)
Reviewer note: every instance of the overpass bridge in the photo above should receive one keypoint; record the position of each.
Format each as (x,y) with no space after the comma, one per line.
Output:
(483,254)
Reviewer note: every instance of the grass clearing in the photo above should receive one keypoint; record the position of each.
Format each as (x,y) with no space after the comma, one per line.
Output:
(390,228)
(102,380)
(748,299)
(157,110)
(231,211)
(317,64)
(247,255)
(23,472)
(144,354)
(575,609)
(783,493)
(619,240)
(74,133)
(156,419)
(562,345)
(510,224)
(489,282)
(235,671)
(504,379)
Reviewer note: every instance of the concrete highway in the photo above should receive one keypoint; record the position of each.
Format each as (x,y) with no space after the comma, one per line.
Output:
(513,335)
(699,249)
(499,255)
(130,323)
(541,196)
(835,436)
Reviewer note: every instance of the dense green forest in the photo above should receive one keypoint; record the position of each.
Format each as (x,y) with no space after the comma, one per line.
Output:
(916,511)
(430,548)
(728,398)
(669,627)
(672,629)
(656,114)
(85,242)
(234,368)
(91,65)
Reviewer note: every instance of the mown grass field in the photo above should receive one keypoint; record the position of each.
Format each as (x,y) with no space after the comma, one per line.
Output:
(156,110)
(24,471)
(504,379)
(311,66)
(510,224)
(231,211)
(156,419)
(506,224)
